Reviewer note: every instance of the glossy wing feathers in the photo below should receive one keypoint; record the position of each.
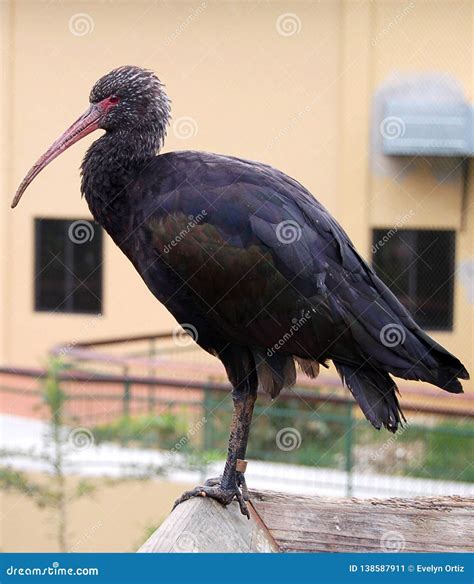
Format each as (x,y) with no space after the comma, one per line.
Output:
(266,257)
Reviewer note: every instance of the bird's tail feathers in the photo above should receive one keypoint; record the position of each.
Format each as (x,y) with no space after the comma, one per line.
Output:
(375,392)
(439,367)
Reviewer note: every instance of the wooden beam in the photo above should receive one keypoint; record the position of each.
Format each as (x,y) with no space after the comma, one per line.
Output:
(321,524)
(281,522)
(203,525)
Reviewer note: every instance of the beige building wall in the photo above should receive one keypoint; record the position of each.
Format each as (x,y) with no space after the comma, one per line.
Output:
(301,102)
(5,166)
(117,518)
(433,36)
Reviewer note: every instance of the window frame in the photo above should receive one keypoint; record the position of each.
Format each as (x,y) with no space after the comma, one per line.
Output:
(449,315)
(37,238)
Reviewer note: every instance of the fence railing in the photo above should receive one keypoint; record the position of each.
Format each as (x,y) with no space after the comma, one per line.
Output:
(308,428)
(158,391)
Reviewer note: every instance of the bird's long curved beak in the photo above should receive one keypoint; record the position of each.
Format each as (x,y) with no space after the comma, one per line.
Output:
(87,123)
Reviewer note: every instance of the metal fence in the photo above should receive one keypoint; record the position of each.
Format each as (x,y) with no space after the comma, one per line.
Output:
(313,439)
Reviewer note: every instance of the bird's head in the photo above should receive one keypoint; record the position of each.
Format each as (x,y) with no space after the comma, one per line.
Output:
(128,99)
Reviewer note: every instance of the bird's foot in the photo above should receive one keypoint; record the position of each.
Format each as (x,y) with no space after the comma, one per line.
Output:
(225,495)
(240,483)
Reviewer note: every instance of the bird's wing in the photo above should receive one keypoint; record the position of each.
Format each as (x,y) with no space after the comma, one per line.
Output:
(259,252)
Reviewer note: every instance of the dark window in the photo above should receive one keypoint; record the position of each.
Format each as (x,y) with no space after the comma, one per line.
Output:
(68,266)
(418,267)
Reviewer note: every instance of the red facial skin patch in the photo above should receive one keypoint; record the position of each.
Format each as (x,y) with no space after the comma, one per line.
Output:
(109,102)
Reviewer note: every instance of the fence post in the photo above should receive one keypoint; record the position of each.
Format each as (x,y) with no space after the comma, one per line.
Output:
(126,392)
(208,429)
(151,388)
(348,443)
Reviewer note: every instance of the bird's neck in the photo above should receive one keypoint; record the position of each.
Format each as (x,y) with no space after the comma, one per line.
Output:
(110,167)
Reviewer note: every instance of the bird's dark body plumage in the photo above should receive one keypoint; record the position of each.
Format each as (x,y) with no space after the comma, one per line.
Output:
(245,257)
(203,231)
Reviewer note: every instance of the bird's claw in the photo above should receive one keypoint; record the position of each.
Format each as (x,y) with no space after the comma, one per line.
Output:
(243,486)
(212,488)
(212,482)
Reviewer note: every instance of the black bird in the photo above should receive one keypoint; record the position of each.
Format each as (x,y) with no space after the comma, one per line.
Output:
(247,259)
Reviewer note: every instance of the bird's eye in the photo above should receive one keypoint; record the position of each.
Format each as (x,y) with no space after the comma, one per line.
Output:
(113,99)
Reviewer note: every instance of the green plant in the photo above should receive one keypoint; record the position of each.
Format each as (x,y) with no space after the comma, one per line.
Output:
(148,531)
(315,439)
(52,492)
(447,451)
(150,431)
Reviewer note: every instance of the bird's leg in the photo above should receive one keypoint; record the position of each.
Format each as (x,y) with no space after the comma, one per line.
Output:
(232,483)
(240,470)
(241,465)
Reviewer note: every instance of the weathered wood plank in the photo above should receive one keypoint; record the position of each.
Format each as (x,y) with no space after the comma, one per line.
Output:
(289,523)
(417,524)
(203,525)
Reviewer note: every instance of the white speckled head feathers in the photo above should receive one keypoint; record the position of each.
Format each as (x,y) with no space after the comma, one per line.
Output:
(143,103)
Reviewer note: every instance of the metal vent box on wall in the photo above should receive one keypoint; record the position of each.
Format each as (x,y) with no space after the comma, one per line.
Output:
(427,128)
